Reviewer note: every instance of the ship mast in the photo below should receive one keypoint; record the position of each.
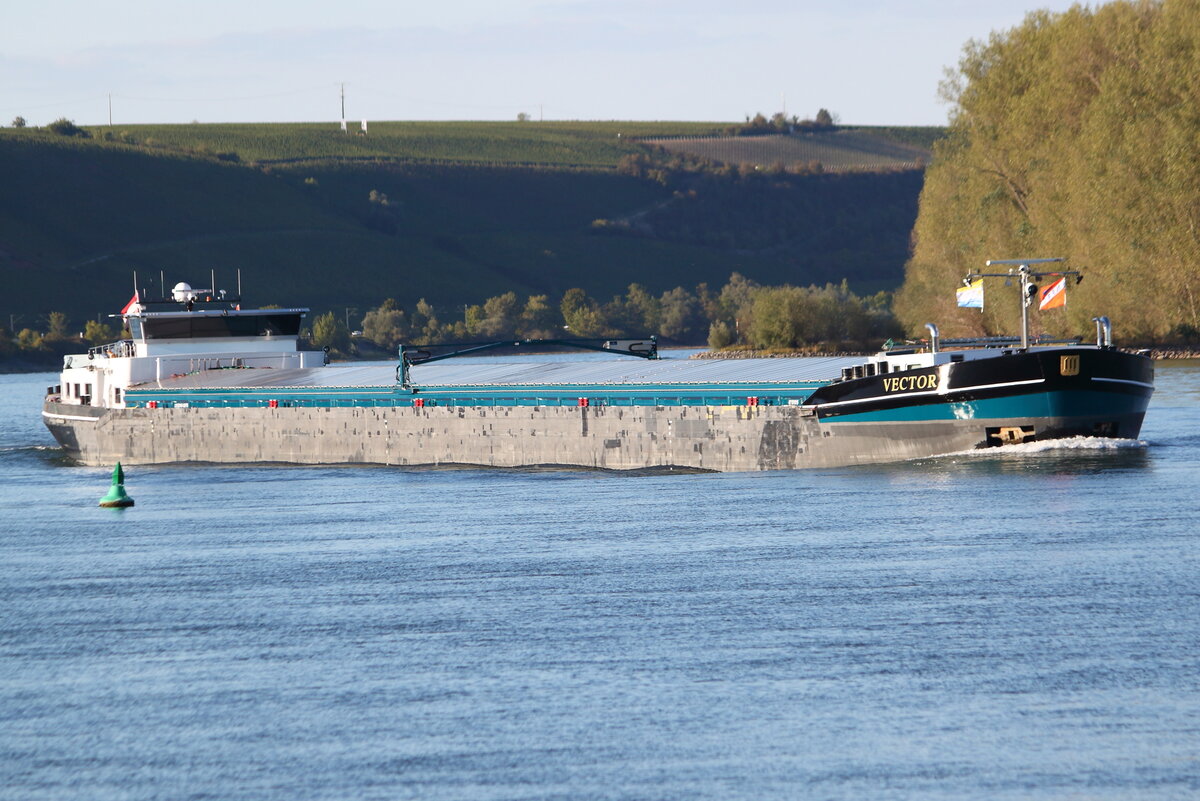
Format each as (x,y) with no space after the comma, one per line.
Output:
(1019,269)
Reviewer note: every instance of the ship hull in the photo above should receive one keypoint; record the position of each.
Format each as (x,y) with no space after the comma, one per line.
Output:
(708,438)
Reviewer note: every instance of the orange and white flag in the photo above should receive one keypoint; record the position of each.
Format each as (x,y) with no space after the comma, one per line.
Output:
(1054,295)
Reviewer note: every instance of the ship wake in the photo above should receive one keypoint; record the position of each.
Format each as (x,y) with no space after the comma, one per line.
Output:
(1056,447)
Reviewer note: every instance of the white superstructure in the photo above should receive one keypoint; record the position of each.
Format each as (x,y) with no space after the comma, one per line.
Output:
(193,330)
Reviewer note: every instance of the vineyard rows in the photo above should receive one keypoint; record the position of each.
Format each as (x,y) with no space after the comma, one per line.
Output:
(838,151)
(587,145)
(558,144)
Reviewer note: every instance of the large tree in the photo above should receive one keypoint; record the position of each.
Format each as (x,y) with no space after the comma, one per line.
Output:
(1073,134)
(329,331)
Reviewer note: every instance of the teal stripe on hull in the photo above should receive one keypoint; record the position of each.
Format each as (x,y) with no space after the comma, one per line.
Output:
(1064,403)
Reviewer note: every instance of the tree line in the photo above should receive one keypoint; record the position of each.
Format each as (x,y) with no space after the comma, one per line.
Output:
(46,343)
(779,122)
(1073,134)
(742,314)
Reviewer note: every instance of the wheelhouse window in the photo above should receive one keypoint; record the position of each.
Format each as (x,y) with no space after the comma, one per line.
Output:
(272,324)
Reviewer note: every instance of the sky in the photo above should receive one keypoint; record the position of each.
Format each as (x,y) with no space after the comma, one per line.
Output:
(870,62)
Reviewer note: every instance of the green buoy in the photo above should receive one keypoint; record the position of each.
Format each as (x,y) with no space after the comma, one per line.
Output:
(116,497)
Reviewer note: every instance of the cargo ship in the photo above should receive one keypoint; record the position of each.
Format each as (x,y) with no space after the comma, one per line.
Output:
(200,379)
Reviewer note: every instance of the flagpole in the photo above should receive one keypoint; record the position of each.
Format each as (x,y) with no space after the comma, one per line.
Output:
(1025,287)
(1026,277)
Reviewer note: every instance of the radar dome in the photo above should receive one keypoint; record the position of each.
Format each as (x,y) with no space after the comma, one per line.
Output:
(182,292)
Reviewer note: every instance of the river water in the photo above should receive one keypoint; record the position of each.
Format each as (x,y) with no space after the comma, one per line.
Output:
(1016,625)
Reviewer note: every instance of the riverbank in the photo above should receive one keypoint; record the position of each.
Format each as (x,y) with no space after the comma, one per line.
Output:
(1155,353)
(22,364)
(52,362)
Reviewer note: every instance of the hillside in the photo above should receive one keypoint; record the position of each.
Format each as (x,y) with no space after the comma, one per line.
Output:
(454,212)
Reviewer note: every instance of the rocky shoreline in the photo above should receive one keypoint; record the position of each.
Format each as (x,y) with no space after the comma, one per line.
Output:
(1155,353)
(1170,353)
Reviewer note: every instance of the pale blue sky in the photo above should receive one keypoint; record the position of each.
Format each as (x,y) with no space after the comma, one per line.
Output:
(870,62)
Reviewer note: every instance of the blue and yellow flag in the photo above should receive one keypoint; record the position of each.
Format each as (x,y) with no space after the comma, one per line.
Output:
(971,295)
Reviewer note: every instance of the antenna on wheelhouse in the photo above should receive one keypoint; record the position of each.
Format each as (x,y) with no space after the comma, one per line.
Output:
(239,284)
(1026,278)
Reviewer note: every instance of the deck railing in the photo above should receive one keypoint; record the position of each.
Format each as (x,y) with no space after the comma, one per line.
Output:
(122,349)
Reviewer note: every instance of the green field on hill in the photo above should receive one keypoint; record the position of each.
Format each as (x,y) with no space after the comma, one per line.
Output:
(558,144)
(453,212)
